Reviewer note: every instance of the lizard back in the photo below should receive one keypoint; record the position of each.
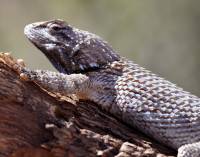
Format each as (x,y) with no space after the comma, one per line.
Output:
(148,102)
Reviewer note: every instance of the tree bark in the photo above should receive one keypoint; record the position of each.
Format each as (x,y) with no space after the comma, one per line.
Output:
(36,123)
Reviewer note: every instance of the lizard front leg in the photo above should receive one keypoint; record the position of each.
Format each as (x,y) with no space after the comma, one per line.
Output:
(57,82)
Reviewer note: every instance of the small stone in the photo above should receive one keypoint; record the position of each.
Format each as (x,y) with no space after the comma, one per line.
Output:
(24,77)
(7,54)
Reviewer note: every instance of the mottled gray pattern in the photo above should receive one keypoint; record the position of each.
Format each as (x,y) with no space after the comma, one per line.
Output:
(135,95)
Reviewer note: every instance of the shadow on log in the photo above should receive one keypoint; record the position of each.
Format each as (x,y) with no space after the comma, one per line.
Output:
(35,123)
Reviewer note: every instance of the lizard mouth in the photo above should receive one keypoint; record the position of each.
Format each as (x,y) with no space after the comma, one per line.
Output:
(27,31)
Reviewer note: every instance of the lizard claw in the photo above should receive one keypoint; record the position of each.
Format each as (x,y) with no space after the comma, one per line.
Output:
(25,74)
(16,65)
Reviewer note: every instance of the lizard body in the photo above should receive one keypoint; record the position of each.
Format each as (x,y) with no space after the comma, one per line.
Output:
(92,70)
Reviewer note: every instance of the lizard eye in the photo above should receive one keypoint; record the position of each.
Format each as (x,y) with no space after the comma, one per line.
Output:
(56,27)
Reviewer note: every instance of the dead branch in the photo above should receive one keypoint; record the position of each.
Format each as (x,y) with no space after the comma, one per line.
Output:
(34,123)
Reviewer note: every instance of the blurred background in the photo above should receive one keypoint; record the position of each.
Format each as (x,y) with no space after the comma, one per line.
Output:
(163,36)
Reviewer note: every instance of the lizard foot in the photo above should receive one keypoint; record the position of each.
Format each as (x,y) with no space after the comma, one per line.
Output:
(15,64)
(27,74)
(189,150)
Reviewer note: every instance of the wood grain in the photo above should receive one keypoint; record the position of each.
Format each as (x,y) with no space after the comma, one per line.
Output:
(35,123)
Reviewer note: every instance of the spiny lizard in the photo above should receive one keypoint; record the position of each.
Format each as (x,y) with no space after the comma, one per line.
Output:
(91,69)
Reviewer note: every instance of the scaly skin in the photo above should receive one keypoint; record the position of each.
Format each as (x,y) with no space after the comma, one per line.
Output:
(92,70)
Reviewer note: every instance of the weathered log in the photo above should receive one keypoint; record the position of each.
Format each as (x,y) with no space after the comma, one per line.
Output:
(36,123)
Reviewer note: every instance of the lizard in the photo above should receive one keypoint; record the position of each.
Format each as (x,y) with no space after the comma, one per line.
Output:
(92,70)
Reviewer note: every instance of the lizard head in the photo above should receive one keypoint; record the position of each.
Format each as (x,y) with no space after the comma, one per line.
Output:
(69,49)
